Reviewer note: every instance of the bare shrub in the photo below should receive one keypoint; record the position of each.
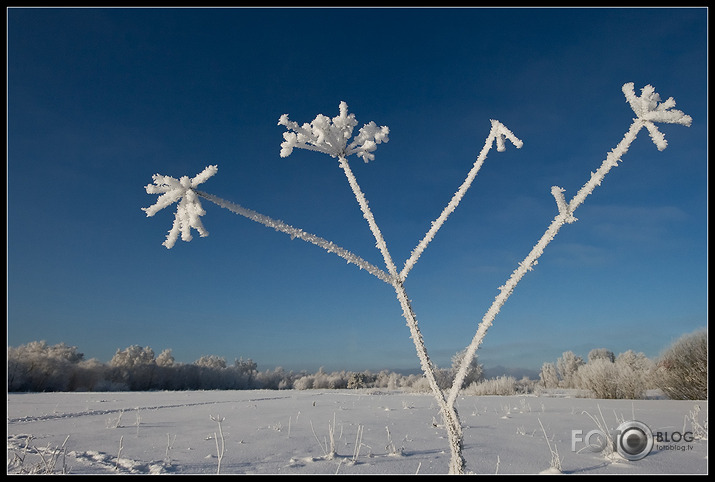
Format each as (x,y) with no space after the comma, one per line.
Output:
(682,370)
(600,376)
(503,385)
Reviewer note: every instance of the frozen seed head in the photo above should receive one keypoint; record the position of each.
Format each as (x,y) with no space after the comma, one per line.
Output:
(331,136)
(188,212)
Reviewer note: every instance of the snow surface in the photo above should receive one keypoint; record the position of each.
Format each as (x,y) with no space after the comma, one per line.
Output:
(374,432)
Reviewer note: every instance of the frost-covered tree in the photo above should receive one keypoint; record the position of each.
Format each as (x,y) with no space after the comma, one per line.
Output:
(548,376)
(323,380)
(246,368)
(475,370)
(603,353)
(626,376)
(635,372)
(387,379)
(165,358)
(132,356)
(682,370)
(91,376)
(358,380)
(567,365)
(211,373)
(276,379)
(335,138)
(211,361)
(39,367)
(600,377)
(134,366)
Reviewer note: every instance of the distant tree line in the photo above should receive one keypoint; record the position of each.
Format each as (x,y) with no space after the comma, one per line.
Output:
(680,372)
(39,367)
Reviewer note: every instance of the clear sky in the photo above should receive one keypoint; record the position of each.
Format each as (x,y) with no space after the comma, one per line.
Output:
(99,100)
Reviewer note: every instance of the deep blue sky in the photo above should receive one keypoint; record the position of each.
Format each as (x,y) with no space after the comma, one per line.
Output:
(101,99)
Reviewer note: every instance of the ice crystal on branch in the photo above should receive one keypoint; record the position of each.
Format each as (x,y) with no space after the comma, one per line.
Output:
(189,210)
(648,110)
(331,136)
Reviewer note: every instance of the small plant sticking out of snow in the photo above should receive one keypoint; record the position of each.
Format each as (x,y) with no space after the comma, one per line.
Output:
(391,447)
(334,137)
(52,460)
(555,463)
(219,450)
(328,447)
(700,430)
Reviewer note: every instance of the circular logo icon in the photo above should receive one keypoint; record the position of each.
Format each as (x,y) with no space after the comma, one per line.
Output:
(634,440)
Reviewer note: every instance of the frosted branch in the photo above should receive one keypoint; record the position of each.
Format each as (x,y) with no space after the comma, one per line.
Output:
(564,211)
(449,413)
(300,234)
(647,109)
(367,214)
(498,132)
(331,136)
(188,212)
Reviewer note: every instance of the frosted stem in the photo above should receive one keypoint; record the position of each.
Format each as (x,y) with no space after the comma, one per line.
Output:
(449,413)
(300,234)
(564,216)
(498,131)
(367,214)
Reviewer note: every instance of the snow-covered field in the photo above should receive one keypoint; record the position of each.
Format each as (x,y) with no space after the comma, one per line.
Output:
(373,432)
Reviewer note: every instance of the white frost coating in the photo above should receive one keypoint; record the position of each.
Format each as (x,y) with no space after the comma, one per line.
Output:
(367,214)
(648,110)
(300,234)
(188,212)
(558,193)
(331,136)
(498,132)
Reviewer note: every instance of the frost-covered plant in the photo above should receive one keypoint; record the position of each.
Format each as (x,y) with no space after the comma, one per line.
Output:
(503,385)
(219,450)
(119,452)
(49,458)
(682,370)
(548,376)
(634,374)
(604,376)
(329,450)
(38,366)
(335,138)
(647,111)
(699,430)
(567,366)
(331,136)
(555,462)
(605,445)
(189,212)
(600,377)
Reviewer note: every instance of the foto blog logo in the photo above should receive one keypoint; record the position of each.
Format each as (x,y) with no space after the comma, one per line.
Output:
(633,440)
